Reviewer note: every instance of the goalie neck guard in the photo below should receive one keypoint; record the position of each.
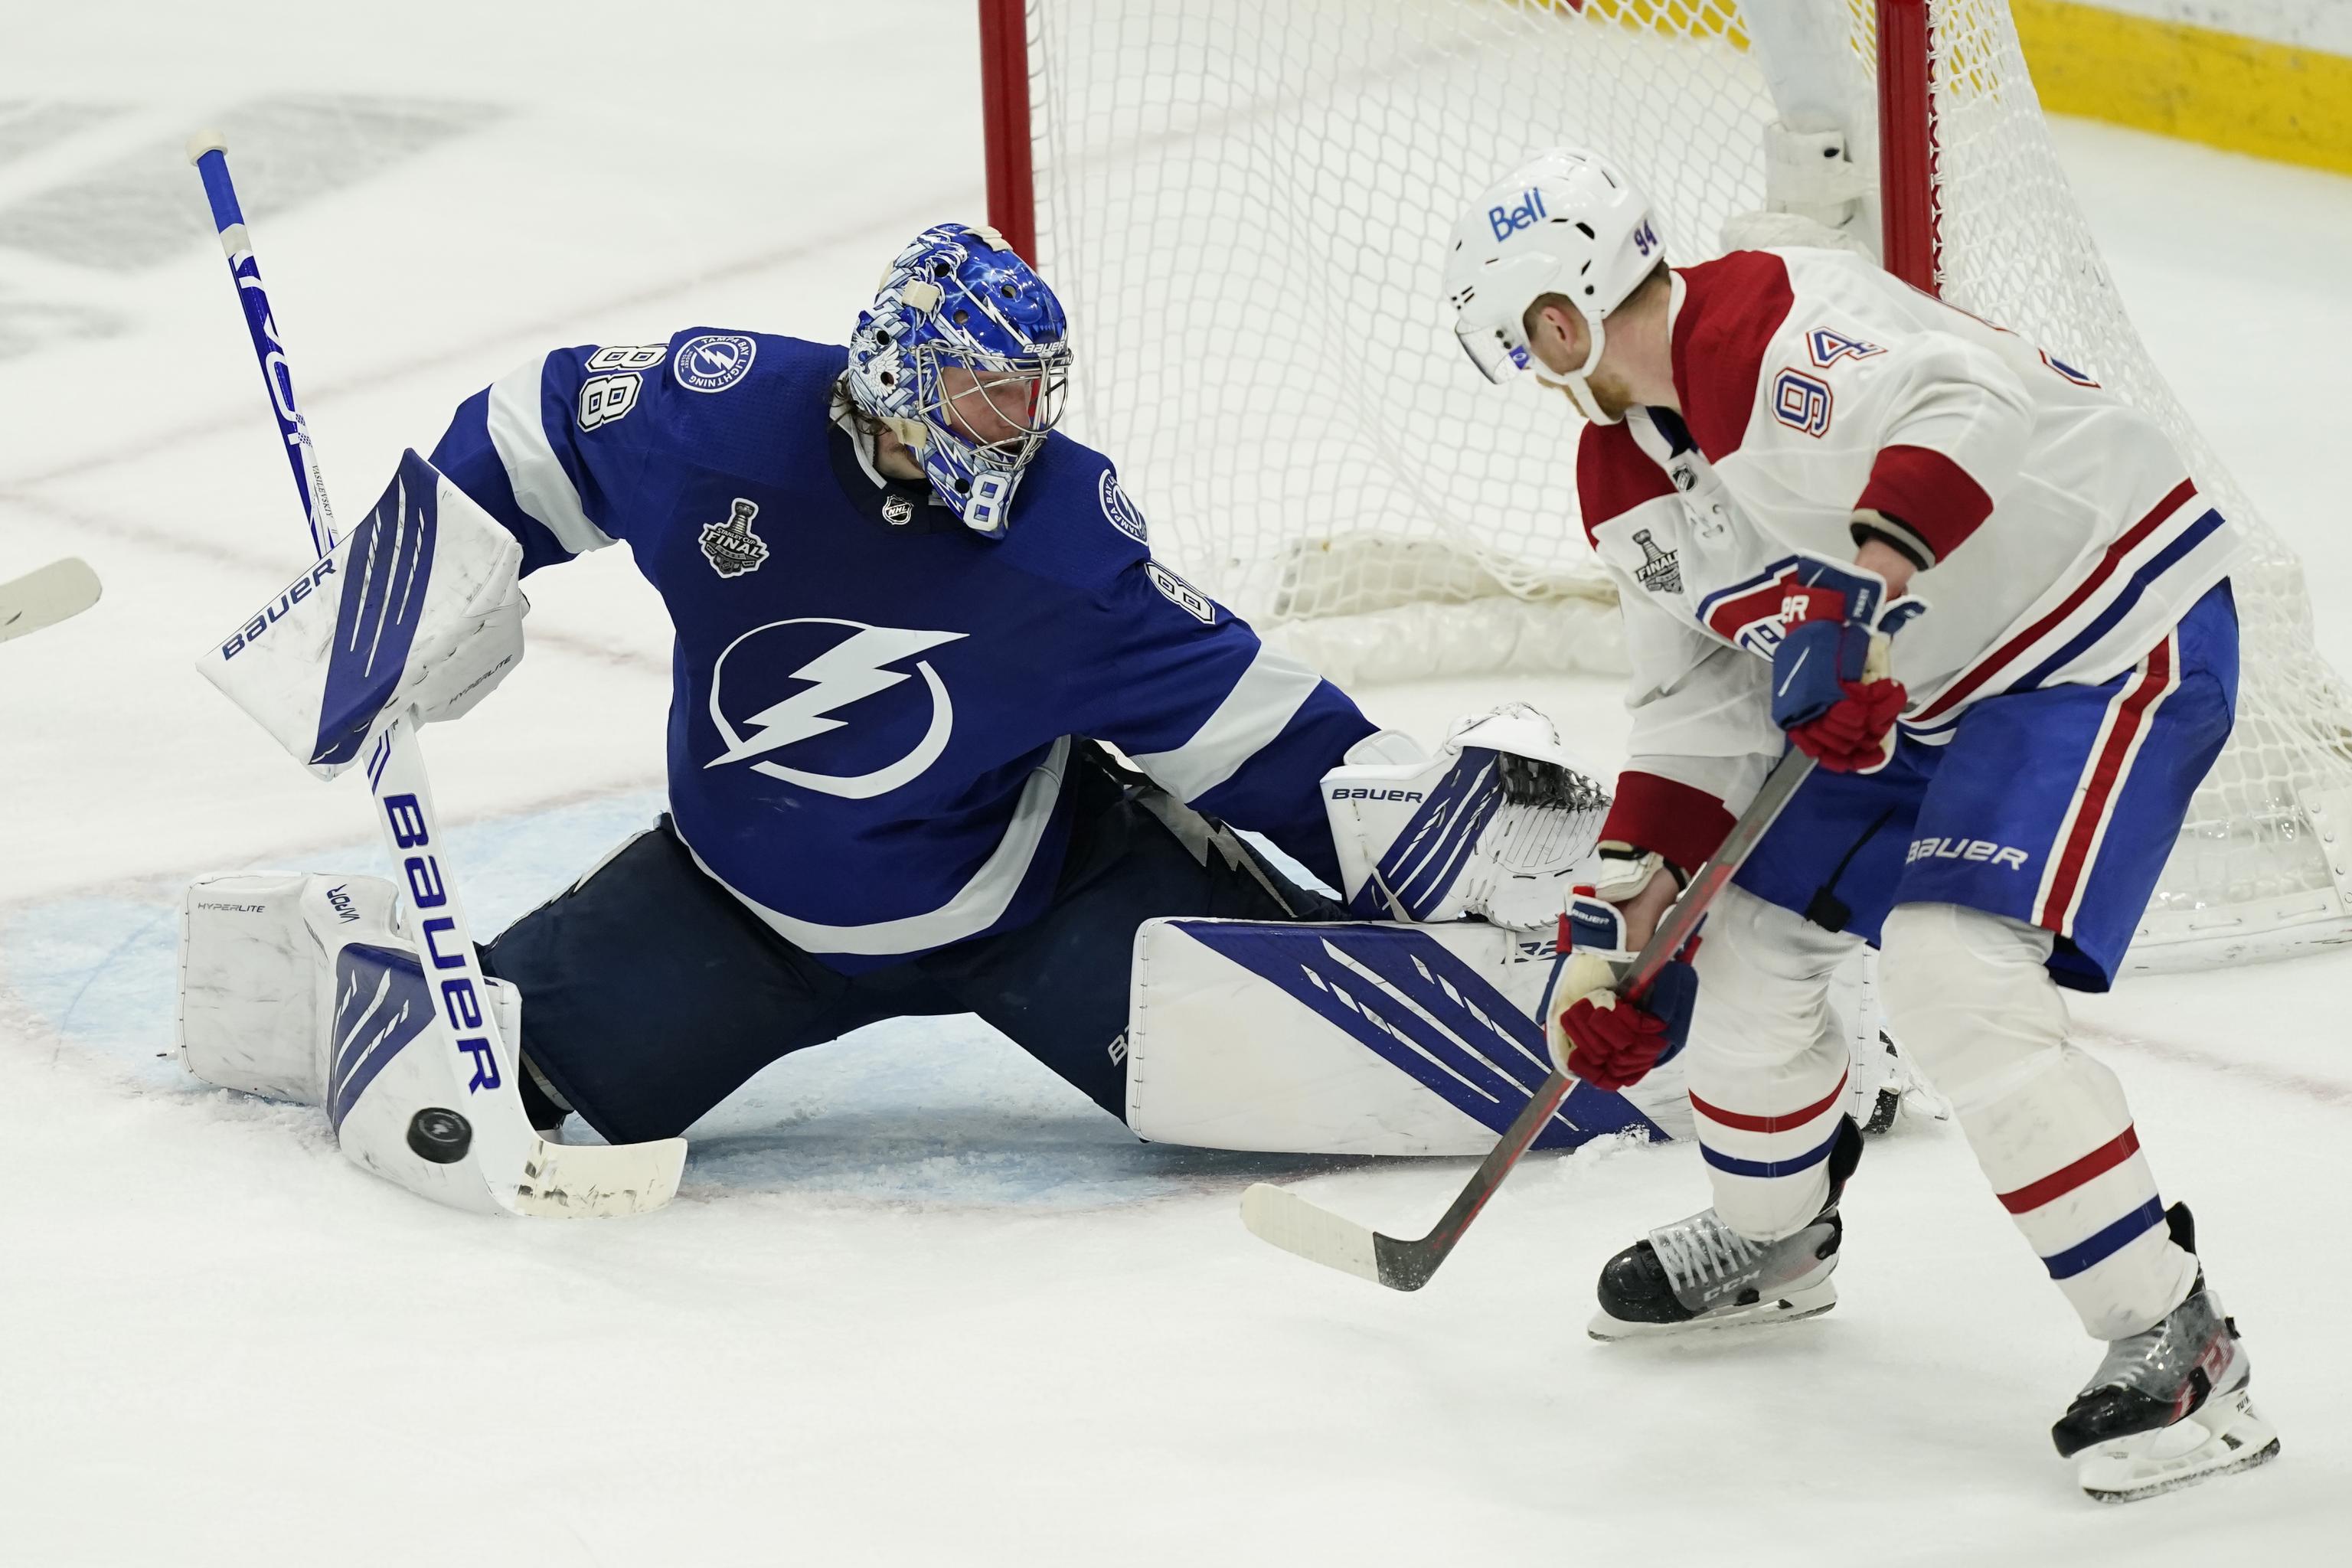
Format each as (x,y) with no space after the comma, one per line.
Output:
(1568,221)
(965,356)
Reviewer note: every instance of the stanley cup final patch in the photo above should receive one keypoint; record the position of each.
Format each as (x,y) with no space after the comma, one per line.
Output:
(731,547)
(1660,571)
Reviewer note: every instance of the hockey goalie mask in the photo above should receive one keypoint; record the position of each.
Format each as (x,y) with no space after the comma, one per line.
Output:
(1568,221)
(965,356)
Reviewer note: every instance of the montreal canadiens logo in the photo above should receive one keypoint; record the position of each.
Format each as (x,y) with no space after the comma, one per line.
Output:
(714,362)
(837,703)
(1757,613)
(1124,515)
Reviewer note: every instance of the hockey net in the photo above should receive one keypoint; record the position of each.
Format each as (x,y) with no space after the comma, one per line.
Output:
(1245,207)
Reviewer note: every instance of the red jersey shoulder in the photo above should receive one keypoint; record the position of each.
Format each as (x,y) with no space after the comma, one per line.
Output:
(1731,308)
(1613,476)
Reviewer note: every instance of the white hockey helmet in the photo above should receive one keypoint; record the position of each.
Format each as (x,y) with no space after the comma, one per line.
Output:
(1566,222)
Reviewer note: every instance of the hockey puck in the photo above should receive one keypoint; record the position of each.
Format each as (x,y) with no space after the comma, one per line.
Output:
(441,1136)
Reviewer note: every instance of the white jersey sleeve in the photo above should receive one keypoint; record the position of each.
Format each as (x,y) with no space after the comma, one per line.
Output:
(1702,736)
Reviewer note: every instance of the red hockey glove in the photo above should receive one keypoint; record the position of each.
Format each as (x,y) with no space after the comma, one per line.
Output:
(1830,688)
(1855,734)
(1599,1036)
(1612,1044)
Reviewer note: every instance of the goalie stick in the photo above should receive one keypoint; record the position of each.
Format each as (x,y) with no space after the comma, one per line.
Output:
(1279,1216)
(43,598)
(524,1174)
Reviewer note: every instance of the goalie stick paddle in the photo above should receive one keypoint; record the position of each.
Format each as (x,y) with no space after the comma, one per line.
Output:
(1279,1216)
(524,1174)
(43,598)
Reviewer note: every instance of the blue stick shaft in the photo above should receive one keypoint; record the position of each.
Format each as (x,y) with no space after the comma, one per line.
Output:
(210,156)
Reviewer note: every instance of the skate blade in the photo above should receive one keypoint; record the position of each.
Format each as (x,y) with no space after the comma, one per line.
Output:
(1810,1302)
(2225,1436)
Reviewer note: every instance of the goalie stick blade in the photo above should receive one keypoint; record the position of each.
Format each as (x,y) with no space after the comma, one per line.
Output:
(45,597)
(597,1180)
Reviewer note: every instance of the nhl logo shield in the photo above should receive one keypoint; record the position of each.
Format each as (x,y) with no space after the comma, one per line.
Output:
(898,510)
(732,548)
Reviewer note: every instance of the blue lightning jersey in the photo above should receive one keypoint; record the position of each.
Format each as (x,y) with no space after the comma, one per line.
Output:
(872,708)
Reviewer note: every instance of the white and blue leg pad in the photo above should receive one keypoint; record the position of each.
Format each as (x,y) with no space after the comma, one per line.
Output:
(1358,1038)
(305,988)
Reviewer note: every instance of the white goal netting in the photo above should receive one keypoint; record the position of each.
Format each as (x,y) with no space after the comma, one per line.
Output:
(1245,207)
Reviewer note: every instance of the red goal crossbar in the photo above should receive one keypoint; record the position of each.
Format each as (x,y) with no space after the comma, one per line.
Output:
(1906,134)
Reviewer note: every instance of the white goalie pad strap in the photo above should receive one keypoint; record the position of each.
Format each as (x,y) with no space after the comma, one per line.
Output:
(417,607)
(1354,1038)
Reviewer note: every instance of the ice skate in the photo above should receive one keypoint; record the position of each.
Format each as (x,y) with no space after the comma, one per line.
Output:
(1699,1273)
(2167,1406)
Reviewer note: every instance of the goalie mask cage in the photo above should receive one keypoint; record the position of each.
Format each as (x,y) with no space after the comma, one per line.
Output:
(1245,206)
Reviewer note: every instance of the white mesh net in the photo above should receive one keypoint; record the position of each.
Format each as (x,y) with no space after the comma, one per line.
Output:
(1245,207)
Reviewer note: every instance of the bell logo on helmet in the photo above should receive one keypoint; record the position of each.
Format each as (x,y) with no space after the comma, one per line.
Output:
(1508,221)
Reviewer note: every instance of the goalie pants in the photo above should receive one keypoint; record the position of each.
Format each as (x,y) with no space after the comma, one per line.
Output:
(650,994)
(2015,859)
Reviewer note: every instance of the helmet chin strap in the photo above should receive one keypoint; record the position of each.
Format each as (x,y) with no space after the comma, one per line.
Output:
(1579,389)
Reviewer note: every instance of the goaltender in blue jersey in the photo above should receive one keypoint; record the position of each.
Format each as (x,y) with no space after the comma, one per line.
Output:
(912,622)
(873,702)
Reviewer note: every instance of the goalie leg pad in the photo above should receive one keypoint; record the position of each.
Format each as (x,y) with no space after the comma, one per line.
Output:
(1355,1038)
(304,989)
(255,951)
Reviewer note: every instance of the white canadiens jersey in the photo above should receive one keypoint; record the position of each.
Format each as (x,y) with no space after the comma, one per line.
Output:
(2062,535)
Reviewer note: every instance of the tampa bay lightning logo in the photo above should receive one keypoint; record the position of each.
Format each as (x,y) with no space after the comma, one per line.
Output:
(1124,514)
(838,675)
(714,362)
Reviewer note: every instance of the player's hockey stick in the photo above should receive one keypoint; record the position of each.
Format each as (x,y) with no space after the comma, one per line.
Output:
(524,1174)
(1280,1216)
(45,597)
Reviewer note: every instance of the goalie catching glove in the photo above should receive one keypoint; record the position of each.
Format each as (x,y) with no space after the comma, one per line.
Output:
(1498,825)
(416,608)
(1610,1041)
(1832,690)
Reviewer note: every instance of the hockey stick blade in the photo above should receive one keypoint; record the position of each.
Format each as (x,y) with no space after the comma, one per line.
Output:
(43,598)
(586,1181)
(1282,1218)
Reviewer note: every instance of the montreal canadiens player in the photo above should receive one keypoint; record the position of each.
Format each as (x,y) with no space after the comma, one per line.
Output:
(906,611)
(1798,469)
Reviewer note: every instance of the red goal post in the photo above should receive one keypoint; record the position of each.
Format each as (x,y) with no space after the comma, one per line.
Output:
(1245,206)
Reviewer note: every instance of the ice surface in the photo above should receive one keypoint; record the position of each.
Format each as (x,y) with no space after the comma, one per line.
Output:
(917,1302)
